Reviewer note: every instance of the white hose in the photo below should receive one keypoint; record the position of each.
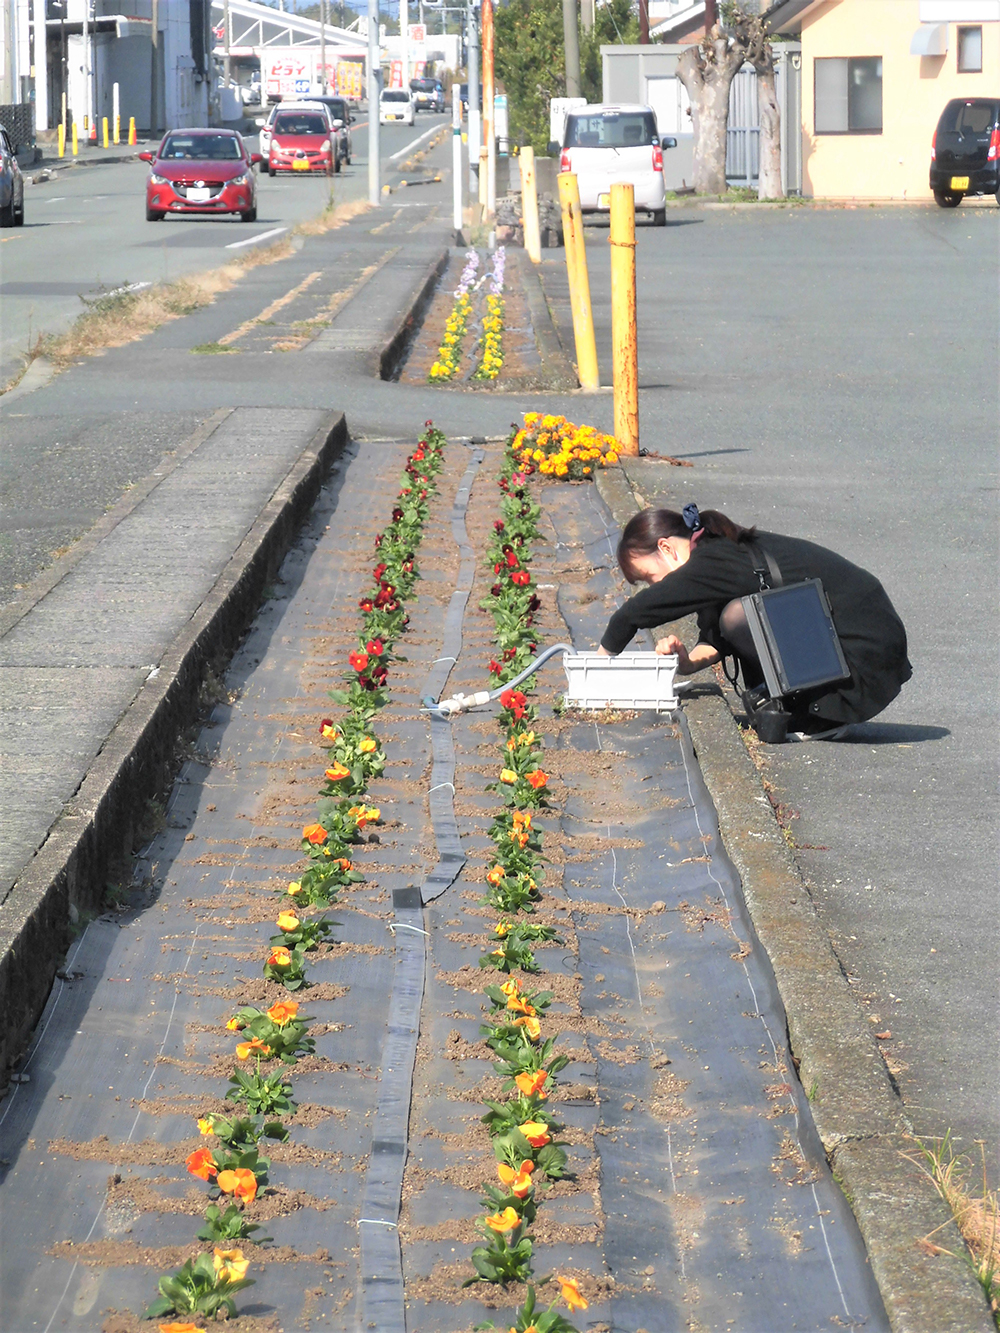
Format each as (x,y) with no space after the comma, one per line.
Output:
(461,703)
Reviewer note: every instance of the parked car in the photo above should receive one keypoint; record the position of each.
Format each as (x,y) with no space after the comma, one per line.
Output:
(604,144)
(11,185)
(428,94)
(302,139)
(265,125)
(965,150)
(396,104)
(463,93)
(201,171)
(340,114)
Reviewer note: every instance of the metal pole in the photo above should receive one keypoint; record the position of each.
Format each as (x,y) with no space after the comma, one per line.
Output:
(116,111)
(404,42)
(456,159)
(322,43)
(374,80)
(529,205)
(65,66)
(587,8)
(571,38)
(475,133)
(40,65)
(624,345)
(88,65)
(579,282)
(643,22)
(489,89)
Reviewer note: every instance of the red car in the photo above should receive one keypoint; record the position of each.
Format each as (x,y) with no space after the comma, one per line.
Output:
(201,171)
(301,140)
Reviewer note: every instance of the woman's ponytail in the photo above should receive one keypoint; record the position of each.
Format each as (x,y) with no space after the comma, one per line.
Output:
(645,530)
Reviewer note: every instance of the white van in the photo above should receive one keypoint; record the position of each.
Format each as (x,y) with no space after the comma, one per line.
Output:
(394,105)
(604,144)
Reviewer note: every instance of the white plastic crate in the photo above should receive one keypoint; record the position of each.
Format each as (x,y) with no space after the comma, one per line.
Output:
(631,680)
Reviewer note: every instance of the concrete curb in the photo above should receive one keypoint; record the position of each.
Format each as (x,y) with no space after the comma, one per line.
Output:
(855,1106)
(393,352)
(556,368)
(66,876)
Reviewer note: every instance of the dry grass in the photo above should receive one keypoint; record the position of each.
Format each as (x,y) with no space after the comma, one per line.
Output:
(975,1207)
(121,316)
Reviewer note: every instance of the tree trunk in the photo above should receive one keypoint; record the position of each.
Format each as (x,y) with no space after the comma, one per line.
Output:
(707,70)
(769,173)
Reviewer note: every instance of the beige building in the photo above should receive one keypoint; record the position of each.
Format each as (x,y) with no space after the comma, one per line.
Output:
(876,75)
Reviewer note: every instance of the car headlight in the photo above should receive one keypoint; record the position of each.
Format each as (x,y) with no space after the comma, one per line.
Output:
(243,179)
(157,180)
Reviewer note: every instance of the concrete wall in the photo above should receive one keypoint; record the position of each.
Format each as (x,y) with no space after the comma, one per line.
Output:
(893,164)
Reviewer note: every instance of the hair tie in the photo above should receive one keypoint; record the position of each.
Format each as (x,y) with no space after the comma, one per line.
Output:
(691,517)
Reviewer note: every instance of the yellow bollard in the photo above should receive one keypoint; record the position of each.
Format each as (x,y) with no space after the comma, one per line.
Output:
(624,344)
(118,129)
(104,127)
(529,205)
(131,130)
(61,138)
(76,141)
(579,282)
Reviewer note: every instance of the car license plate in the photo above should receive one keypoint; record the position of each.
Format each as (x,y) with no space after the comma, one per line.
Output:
(604,201)
(959,182)
(198,195)
(300,164)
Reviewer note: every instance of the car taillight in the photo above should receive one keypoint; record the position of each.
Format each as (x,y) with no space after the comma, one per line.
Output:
(564,161)
(934,145)
(657,158)
(994,152)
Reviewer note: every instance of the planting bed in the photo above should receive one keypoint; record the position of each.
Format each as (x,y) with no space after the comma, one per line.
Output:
(693,1192)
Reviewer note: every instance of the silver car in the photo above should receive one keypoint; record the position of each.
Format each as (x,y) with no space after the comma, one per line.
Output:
(11,185)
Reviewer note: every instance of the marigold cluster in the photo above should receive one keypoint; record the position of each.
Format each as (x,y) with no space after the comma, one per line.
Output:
(555,447)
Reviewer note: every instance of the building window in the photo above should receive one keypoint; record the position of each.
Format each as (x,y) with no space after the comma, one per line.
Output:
(848,95)
(970,50)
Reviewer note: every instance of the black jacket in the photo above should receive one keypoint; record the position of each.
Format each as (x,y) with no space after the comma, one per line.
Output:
(871,633)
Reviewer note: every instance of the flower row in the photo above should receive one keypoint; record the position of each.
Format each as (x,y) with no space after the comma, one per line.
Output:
(491,341)
(234,1168)
(449,353)
(524,1131)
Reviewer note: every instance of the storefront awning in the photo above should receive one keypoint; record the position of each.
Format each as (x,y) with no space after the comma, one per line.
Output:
(930,39)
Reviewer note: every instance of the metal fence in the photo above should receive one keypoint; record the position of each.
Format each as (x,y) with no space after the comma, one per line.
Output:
(743,133)
(18,119)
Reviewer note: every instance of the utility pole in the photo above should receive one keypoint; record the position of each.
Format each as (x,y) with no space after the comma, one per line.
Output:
(40,65)
(225,41)
(489,129)
(404,41)
(322,41)
(643,22)
(711,14)
(571,41)
(88,68)
(475,133)
(154,83)
(374,80)
(587,15)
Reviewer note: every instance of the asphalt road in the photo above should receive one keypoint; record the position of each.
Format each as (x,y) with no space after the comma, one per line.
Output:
(833,375)
(85,233)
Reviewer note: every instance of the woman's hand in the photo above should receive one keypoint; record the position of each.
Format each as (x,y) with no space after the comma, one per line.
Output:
(602,651)
(701,655)
(672,644)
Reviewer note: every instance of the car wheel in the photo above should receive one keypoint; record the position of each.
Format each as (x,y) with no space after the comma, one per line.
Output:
(154,215)
(660,217)
(270,170)
(250,215)
(947,198)
(7,214)
(19,214)
(336,165)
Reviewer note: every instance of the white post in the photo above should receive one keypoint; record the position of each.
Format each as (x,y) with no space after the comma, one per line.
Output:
(456,156)
(404,41)
(88,68)
(116,111)
(475,125)
(374,80)
(226,41)
(40,66)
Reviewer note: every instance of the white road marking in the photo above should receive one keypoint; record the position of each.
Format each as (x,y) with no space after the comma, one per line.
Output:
(252,240)
(410,146)
(129,287)
(59,199)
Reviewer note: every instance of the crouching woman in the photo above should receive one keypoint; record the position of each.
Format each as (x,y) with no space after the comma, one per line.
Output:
(702,564)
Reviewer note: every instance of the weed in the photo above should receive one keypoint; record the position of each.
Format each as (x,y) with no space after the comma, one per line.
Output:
(212,349)
(974,1206)
(813,1094)
(153,821)
(116,896)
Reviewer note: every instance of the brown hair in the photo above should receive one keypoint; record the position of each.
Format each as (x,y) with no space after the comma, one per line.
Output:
(644,531)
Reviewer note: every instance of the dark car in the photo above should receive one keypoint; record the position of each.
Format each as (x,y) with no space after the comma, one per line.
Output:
(201,171)
(428,94)
(340,114)
(11,185)
(464,95)
(965,150)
